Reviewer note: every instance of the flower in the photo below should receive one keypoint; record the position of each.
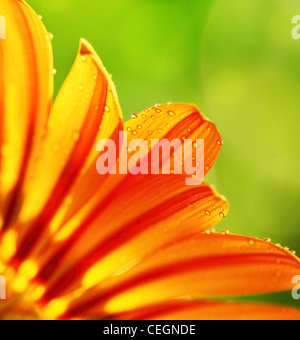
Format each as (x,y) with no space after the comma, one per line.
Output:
(77,245)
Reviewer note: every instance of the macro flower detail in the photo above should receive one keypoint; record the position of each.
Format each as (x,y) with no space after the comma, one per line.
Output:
(77,245)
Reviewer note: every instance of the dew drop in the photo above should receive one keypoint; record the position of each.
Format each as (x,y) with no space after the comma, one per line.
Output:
(222,215)
(52,72)
(83,58)
(107,109)
(207,213)
(219,143)
(251,242)
(134,132)
(171,113)
(139,127)
(49,36)
(135,115)
(225,232)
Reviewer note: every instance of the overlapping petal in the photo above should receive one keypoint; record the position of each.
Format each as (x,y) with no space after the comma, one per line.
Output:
(85,111)
(204,310)
(75,244)
(206,266)
(26,87)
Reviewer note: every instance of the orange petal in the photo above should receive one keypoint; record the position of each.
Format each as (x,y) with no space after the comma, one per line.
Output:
(85,111)
(86,199)
(177,121)
(163,210)
(26,88)
(192,310)
(203,266)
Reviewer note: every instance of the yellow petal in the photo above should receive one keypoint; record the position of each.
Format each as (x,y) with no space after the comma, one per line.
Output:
(26,87)
(205,310)
(86,101)
(204,266)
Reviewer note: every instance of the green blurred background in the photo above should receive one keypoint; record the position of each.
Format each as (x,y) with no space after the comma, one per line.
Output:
(236,60)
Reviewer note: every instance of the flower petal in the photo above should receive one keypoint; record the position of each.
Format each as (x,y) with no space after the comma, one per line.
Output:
(170,210)
(85,111)
(203,266)
(204,310)
(172,121)
(26,88)
(163,200)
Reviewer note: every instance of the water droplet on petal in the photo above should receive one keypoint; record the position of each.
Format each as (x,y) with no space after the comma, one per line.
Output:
(49,36)
(52,72)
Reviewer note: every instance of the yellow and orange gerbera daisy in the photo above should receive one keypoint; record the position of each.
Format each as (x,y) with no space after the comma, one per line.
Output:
(77,245)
